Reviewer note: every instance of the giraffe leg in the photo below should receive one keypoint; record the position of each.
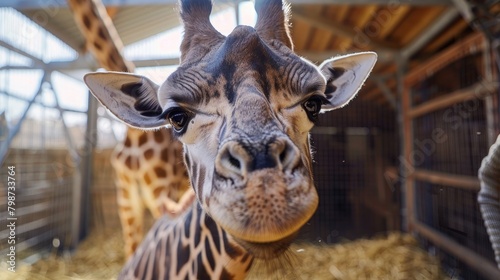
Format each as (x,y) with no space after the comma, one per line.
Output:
(167,198)
(176,208)
(188,198)
(131,212)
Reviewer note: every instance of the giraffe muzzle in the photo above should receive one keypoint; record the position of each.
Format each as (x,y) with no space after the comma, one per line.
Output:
(268,207)
(237,160)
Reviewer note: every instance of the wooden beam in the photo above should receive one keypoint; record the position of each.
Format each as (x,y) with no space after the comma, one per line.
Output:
(366,14)
(341,30)
(392,20)
(452,180)
(337,12)
(425,37)
(300,33)
(426,19)
(450,33)
(482,265)
(476,91)
(469,45)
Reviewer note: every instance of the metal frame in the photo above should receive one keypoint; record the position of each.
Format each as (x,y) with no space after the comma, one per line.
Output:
(46,82)
(13,132)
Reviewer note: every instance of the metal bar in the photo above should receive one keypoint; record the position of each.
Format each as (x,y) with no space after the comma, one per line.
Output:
(18,67)
(452,180)
(436,27)
(40,103)
(464,8)
(12,133)
(476,91)
(386,92)
(474,260)
(51,4)
(237,12)
(67,134)
(10,47)
(82,188)
(157,62)
(84,63)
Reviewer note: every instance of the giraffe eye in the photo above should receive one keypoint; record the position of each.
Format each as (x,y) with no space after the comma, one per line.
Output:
(179,119)
(313,107)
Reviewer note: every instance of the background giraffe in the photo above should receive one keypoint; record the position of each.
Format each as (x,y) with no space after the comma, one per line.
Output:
(148,164)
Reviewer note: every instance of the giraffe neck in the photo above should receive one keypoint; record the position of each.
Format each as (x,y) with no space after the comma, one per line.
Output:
(102,39)
(149,174)
(193,247)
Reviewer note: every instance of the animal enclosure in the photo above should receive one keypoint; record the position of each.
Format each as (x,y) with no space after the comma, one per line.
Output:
(396,170)
(447,123)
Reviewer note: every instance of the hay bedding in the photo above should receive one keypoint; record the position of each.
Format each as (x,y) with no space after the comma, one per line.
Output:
(100,256)
(396,256)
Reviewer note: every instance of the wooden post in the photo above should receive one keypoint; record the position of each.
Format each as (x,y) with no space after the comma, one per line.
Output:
(410,174)
(479,263)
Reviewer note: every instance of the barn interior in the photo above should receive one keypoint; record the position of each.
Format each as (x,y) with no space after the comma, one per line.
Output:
(402,157)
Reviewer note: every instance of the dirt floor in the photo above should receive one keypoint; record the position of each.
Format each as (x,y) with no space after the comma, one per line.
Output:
(395,256)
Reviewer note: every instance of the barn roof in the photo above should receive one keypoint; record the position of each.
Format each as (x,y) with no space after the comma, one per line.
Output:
(413,29)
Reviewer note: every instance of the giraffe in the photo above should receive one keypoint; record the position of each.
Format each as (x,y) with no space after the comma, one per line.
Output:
(243,106)
(489,194)
(149,172)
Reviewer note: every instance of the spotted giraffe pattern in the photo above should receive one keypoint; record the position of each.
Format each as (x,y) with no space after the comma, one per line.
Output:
(101,37)
(148,165)
(243,106)
(149,174)
(195,239)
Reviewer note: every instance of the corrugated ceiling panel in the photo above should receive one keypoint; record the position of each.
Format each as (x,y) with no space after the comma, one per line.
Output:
(59,22)
(132,23)
(138,23)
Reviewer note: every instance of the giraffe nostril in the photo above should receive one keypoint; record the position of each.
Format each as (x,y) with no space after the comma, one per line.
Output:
(289,156)
(283,155)
(234,161)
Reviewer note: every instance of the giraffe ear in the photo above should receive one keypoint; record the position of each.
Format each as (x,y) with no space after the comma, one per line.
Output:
(344,77)
(131,98)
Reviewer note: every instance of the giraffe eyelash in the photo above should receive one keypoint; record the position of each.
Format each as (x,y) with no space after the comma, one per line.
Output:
(178,118)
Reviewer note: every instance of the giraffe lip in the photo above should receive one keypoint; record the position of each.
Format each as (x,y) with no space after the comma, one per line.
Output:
(267,250)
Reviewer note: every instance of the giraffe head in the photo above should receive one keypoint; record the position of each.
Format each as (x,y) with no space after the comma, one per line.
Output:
(243,106)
